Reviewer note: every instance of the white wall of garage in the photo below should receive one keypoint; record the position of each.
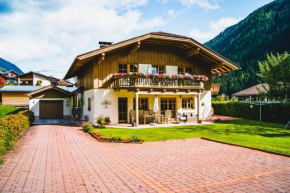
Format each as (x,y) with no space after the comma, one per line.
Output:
(34,105)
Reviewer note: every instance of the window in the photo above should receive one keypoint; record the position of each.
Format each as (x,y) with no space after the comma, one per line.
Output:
(188,71)
(123,68)
(133,67)
(143,104)
(158,69)
(161,70)
(187,103)
(89,104)
(180,70)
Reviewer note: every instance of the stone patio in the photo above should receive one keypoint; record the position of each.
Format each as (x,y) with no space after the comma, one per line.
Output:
(54,158)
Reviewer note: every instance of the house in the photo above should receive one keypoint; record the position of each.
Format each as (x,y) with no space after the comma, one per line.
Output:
(251,94)
(9,77)
(51,102)
(117,79)
(37,79)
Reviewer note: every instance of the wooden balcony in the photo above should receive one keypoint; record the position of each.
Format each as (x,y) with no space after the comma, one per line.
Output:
(147,83)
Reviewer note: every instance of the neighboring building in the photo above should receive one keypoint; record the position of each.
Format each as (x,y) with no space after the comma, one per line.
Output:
(102,91)
(51,102)
(252,93)
(15,95)
(9,76)
(37,79)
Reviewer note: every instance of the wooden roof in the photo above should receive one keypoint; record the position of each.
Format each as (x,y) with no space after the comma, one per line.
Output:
(219,64)
(48,88)
(253,90)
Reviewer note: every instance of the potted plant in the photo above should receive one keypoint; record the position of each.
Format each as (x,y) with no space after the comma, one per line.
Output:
(107,120)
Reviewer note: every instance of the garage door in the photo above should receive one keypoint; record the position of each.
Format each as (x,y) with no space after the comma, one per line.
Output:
(51,109)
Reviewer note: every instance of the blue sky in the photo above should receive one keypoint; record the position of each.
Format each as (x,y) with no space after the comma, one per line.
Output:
(47,34)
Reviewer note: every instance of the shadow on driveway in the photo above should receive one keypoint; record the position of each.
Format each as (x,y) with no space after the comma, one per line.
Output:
(54,122)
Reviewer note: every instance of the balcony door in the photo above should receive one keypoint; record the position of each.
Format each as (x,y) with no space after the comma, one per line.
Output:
(122,109)
(168,104)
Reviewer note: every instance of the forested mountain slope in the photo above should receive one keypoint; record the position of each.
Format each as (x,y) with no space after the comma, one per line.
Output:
(264,31)
(5,65)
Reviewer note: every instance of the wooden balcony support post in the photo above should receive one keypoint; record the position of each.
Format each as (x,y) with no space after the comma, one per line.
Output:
(198,109)
(137,108)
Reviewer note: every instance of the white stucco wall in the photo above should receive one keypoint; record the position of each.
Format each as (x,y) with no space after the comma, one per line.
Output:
(99,95)
(34,105)
(205,98)
(36,78)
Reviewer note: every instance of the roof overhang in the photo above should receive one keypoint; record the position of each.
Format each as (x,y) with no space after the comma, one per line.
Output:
(218,63)
(50,87)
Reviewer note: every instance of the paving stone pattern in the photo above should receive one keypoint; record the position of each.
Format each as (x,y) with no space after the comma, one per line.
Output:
(54,158)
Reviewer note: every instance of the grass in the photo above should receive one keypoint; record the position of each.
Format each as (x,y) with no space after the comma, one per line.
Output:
(5,110)
(265,136)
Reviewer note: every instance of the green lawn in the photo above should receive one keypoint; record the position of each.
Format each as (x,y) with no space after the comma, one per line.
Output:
(265,136)
(5,110)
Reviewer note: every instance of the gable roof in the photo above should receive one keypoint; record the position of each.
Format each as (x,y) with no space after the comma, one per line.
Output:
(63,89)
(252,90)
(60,81)
(183,42)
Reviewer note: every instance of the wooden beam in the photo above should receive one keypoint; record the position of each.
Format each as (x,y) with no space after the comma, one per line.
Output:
(192,52)
(134,47)
(100,58)
(212,61)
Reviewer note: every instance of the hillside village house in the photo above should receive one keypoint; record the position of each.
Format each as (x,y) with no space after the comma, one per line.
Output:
(122,80)
(37,79)
(9,77)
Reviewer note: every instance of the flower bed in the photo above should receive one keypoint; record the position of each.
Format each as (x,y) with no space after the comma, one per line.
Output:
(161,76)
(89,128)
(102,138)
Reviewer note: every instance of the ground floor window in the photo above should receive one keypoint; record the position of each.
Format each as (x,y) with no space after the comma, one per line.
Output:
(168,104)
(143,104)
(187,103)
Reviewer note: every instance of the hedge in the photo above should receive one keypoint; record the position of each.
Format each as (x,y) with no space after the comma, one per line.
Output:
(275,112)
(11,126)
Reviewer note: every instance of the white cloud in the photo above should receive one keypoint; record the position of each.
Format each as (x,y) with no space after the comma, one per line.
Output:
(205,4)
(214,29)
(174,14)
(163,1)
(43,35)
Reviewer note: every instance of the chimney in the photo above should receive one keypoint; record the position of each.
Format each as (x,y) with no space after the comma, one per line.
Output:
(105,44)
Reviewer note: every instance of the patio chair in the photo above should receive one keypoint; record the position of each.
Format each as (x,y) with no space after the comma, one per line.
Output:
(180,116)
(132,115)
(167,116)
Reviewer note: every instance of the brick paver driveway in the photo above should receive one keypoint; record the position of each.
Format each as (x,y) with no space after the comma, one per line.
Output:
(65,159)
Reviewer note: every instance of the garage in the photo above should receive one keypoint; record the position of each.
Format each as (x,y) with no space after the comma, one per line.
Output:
(51,109)
(51,102)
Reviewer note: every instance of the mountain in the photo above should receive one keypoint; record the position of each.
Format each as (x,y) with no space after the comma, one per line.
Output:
(9,66)
(264,31)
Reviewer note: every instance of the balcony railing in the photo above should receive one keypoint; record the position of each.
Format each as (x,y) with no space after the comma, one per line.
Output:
(128,81)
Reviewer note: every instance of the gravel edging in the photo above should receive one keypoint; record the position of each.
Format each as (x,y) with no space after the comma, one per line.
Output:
(252,148)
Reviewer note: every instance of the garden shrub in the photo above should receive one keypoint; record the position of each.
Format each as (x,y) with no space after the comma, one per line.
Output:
(275,112)
(29,114)
(88,127)
(11,126)
(101,120)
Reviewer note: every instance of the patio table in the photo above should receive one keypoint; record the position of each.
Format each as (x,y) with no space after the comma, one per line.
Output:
(152,116)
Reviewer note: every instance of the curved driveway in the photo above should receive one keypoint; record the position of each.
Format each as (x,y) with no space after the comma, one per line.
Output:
(51,158)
